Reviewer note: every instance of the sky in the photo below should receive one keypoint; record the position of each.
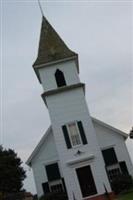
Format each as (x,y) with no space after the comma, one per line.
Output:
(99,31)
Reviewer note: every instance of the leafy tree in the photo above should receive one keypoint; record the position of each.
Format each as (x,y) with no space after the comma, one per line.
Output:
(12,173)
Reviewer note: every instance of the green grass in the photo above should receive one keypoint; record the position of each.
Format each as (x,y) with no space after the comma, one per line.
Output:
(128,196)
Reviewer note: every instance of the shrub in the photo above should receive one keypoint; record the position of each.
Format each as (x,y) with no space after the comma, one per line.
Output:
(122,183)
(54,196)
(1,196)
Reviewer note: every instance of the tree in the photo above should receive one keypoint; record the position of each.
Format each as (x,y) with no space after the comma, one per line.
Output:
(12,173)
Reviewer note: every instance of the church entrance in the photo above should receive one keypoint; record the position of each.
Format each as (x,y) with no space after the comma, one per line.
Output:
(86,181)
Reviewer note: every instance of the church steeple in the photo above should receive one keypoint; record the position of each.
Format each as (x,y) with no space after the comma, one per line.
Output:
(63,93)
(51,46)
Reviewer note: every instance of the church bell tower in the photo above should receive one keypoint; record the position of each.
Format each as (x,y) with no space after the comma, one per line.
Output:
(79,153)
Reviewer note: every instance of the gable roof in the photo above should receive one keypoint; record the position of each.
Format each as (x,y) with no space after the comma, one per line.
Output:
(51,46)
(101,123)
(94,120)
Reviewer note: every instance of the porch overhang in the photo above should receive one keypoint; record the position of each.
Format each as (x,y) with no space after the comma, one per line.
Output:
(80,159)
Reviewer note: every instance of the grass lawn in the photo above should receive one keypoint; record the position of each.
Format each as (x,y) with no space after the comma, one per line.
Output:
(128,196)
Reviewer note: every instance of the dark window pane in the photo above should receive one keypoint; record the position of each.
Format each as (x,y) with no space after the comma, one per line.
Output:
(86,181)
(53,172)
(113,173)
(123,167)
(109,156)
(60,79)
(57,188)
(45,187)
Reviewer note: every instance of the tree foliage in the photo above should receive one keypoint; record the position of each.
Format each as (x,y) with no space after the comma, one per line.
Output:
(122,183)
(12,173)
(54,196)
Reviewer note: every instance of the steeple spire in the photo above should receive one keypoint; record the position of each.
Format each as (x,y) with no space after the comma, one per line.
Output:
(39,4)
(51,46)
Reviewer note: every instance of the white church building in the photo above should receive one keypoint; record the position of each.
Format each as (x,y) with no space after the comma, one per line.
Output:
(78,154)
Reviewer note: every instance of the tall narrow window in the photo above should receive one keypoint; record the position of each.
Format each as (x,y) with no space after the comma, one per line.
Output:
(53,172)
(111,163)
(55,182)
(74,134)
(123,167)
(109,156)
(60,79)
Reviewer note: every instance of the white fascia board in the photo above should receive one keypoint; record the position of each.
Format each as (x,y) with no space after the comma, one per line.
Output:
(37,148)
(125,135)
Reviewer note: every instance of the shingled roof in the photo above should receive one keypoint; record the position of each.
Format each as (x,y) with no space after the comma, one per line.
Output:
(51,46)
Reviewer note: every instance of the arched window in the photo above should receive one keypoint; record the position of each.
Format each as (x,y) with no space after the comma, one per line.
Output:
(60,79)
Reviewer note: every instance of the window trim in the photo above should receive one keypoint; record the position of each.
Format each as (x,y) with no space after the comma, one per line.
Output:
(58,83)
(54,183)
(52,163)
(114,151)
(113,167)
(67,126)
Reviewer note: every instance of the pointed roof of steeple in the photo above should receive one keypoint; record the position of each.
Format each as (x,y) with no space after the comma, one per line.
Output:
(51,46)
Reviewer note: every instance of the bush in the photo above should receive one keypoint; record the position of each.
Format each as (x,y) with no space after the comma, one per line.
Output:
(122,183)
(1,196)
(54,196)
(14,196)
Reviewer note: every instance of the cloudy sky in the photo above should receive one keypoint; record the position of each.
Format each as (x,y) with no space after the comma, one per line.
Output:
(99,31)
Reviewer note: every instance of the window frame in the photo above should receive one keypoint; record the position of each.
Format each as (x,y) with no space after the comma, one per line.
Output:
(93,180)
(111,169)
(55,183)
(69,134)
(60,74)
(104,155)
(50,164)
